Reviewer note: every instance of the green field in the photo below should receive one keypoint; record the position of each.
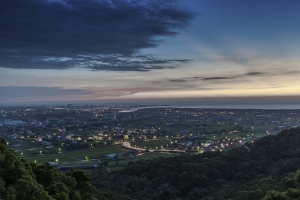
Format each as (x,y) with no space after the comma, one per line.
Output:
(33,151)
(47,158)
(44,154)
(96,152)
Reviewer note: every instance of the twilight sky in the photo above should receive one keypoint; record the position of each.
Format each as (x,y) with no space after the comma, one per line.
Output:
(68,51)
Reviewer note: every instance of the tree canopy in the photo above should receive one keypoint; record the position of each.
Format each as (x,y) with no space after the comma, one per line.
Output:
(21,180)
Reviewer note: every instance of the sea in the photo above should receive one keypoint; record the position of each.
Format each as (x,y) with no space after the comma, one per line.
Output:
(246,106)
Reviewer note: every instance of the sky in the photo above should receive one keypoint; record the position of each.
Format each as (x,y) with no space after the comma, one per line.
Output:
(149,51)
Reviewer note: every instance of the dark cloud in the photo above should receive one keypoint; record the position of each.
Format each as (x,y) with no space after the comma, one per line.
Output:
(216,78)
(195,78)
(178,80)
(138,68)
(253,73)
(96,34)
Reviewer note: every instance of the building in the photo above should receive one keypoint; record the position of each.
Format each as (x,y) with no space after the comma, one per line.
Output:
(111,116)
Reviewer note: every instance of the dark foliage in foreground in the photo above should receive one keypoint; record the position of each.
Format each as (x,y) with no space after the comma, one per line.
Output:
(22,181)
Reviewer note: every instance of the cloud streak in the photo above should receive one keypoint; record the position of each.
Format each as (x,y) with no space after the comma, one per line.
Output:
(192,79)
(95,34)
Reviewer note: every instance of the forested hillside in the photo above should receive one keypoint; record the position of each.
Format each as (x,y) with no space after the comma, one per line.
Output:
(246,173)
(243,173)
(20,180)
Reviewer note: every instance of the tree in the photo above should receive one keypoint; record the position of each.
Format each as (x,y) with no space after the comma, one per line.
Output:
(20,180)
(17,180)
(291,193)
(83,186)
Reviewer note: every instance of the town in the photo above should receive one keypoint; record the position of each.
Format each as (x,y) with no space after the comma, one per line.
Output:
(114,136)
